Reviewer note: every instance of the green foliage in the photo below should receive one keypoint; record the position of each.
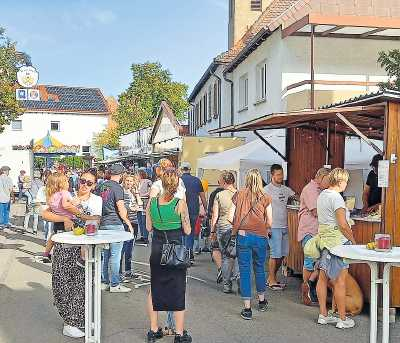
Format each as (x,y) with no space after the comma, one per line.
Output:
(390,61)
(10,61)
(139,104)
(108,138)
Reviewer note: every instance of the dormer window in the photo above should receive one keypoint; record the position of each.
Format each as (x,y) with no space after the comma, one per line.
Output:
(256,5)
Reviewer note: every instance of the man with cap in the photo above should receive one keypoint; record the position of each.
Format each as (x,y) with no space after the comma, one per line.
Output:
(114,215)
(6,188)
(194,189)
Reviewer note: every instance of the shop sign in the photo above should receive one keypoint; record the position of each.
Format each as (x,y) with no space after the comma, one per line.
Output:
(33,94)
(27,76)
(66,149)
(383,173)
(21,94)
(22,147)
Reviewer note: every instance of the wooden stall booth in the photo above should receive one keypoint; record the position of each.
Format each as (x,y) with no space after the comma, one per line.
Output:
(315,138)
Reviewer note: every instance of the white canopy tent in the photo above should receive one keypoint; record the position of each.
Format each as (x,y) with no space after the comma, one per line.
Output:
(255,154)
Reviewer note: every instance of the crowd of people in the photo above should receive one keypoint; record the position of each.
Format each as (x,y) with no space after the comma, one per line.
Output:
(243,226)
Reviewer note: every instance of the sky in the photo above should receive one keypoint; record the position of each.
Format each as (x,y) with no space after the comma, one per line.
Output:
(93,43)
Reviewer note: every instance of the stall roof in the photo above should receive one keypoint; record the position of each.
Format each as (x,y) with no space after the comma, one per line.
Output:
(365,112)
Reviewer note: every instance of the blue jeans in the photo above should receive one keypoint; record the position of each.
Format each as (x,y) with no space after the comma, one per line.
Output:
(4,213)
(189,239)
(141,217)
(112,256)
(251,251)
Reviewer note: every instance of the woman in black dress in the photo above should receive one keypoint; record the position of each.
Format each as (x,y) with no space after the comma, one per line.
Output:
(167,216)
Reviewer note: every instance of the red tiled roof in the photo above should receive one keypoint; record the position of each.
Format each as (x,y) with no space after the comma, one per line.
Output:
(271,13)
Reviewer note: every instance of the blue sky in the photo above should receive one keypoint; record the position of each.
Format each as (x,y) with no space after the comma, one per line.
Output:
(92,43)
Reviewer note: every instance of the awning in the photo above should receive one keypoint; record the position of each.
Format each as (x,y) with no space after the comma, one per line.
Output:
(368,119)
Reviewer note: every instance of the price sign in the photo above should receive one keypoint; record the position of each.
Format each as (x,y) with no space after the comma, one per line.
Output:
(383,173)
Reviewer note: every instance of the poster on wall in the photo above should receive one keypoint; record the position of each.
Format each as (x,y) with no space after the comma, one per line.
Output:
(33,94)
(383,173)
(21,94)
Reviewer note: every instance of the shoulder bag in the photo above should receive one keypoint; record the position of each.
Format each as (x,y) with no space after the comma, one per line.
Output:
(230,248)
(173,255)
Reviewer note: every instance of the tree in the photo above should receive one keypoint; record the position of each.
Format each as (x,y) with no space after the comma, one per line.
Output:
(10,61)
(390,61)
(139,104)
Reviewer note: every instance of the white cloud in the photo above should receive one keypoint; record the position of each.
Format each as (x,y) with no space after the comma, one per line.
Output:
(104,16)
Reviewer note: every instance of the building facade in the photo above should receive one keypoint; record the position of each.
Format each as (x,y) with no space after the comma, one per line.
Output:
(298,54)
(71,115)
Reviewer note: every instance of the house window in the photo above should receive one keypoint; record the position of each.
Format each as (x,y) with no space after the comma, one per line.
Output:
(205,108)
(256,5)
(261,81)
(209,104)
(55,126)
(16,125)
(244,92)
(85,149)
(201,112)
(197,119)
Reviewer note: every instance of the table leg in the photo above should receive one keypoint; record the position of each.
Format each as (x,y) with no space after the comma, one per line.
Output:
(374,302)
(386,302)
(97,294)
(88,294)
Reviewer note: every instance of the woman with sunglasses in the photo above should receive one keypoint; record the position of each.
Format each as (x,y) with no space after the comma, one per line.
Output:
(68,279)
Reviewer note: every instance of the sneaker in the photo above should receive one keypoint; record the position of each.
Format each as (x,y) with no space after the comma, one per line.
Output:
(153,336)
(105,286)
(80,262)
(329,319)
(128,277)
(227,288)
(120,289)
(219,276)
(185,338)
(247,314)
(73,332)
(263,305)
(347,323)
(46,258)
(305,293)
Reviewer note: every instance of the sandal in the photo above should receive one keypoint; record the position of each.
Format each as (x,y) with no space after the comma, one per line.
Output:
(276,287)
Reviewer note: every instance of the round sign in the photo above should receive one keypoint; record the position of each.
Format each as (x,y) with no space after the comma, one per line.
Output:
(27,76)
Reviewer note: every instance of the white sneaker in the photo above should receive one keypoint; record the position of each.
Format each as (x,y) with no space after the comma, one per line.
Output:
(329,319)
(74,332)
(104,287)
(120,289)
(348,323)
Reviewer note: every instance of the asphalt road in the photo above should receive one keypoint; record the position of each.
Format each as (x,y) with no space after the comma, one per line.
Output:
(27,314)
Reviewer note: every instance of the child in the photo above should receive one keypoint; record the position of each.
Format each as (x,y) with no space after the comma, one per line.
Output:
(60,202)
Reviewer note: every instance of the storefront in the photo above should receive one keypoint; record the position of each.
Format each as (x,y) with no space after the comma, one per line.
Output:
(316,138)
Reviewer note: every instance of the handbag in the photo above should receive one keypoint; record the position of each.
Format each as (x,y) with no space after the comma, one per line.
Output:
(230,248)
(174,255)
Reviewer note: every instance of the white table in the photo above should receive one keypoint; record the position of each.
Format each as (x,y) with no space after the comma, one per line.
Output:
(94,245)
(360,254)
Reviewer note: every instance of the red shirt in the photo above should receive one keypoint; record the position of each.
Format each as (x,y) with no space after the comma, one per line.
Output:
(308,224)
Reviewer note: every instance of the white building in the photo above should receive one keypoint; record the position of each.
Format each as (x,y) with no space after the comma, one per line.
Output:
(297,54)
(136,142)
(71,115)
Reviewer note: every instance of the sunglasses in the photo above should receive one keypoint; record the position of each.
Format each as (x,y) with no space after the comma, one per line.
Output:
(87,182)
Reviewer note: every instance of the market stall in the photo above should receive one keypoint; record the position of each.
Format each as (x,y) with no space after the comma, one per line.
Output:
(254,154)
(317,137)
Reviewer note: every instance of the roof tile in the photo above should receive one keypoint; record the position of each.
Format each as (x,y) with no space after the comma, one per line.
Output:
(68,99)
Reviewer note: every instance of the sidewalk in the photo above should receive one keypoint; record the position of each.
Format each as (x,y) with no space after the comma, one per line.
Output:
(27,314)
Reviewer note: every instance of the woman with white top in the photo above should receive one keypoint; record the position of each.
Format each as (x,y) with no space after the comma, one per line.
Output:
(333,230)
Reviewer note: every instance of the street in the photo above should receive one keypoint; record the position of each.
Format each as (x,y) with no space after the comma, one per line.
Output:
(27,313)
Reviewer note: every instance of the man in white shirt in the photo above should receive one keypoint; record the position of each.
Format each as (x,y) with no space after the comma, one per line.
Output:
(279,240)
(6,187)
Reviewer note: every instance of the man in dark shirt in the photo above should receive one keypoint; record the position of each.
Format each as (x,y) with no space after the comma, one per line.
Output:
(114,214)
(194,189)
(372,195)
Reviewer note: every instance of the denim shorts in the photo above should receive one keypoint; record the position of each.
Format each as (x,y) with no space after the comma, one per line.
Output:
(308,261)
(279,242)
